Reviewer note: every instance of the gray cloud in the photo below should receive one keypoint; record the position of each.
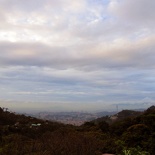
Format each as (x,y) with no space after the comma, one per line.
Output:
(119,54)
(140,11)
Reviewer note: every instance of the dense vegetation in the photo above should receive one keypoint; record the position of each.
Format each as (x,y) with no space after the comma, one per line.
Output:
(133,134)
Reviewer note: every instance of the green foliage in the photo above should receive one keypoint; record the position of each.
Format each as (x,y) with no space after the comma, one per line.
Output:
(19,137)
(104,126)
(136,134)
(134,151)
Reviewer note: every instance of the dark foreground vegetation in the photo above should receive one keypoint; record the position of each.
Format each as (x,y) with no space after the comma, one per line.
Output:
(130,134)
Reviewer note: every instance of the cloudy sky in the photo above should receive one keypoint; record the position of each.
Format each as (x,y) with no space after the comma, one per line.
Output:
(77,55)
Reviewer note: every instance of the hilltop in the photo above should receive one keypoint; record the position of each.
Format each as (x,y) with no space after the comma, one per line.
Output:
(118,116)
(131,131)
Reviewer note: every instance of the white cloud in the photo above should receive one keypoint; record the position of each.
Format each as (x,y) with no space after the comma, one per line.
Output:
(84,50)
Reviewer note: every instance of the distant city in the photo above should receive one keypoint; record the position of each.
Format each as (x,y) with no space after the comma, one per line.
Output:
(74,118)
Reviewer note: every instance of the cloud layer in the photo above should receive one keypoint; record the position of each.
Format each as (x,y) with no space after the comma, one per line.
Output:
(78,52)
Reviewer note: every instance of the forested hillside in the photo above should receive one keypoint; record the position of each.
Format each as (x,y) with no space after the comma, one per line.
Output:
(130,135)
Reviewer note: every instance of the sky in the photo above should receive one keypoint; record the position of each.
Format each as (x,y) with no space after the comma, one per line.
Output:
(77,55)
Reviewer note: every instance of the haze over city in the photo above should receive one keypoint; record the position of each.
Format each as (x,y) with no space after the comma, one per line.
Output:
(64,55)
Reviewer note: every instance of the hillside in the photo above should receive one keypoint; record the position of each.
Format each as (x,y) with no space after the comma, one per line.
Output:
(118,117)
(133,133)
(21,135)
